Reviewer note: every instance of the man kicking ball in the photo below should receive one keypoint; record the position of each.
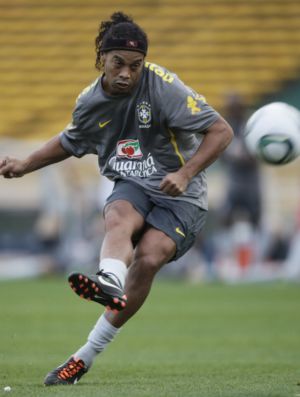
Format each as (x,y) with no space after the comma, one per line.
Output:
(154,137)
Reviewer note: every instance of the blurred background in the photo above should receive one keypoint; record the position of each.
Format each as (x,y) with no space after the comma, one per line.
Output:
(238,54)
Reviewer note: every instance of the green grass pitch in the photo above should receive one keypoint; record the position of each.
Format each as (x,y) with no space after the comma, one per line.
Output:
(188,340)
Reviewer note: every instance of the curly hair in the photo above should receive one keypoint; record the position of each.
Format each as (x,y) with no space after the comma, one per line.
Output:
(120,26)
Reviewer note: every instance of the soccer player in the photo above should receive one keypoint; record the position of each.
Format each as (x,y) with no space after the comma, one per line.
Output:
(154,137)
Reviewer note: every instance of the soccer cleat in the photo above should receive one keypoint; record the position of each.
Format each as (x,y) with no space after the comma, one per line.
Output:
(68,373)
(100,288)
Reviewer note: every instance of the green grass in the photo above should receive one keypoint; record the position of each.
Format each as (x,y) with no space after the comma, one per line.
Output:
(188,340)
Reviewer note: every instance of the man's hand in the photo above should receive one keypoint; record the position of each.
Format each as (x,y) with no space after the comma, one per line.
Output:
(215,140)
(51,152)
(12,168)
(174,183)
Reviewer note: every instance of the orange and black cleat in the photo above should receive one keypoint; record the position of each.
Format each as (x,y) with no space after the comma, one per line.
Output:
(100,288)
(68,373)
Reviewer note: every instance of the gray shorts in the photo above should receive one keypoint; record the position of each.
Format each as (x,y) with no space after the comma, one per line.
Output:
(178,219)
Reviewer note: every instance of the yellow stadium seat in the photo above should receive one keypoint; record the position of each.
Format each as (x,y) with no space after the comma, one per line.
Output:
(47,51)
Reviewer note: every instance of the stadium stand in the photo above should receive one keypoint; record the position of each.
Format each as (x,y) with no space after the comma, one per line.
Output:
(216,46)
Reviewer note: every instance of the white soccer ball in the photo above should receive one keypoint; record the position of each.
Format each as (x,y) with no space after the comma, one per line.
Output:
(272,133)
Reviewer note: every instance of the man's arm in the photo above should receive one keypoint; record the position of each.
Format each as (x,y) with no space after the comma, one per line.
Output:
(51,152)
(216,139)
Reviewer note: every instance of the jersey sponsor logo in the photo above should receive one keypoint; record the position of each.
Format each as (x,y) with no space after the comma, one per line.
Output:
(179,231)
(129,148)
(144,114)
(132,167)
(102,125)
(168,77)
(192,105)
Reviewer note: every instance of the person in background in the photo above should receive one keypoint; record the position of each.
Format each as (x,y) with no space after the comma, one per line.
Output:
(240,212)
(243,197)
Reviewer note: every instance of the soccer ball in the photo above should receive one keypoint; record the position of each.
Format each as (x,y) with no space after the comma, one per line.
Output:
(272,133)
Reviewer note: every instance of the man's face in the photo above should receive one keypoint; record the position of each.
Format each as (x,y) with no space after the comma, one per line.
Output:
(122,71)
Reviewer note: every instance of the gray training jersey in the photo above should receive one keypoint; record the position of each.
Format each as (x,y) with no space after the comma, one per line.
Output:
(144,135)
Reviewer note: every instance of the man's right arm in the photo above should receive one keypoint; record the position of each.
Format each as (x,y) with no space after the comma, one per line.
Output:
(52,152)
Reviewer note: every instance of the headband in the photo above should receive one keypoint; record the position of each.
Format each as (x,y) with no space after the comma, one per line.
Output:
(110,44)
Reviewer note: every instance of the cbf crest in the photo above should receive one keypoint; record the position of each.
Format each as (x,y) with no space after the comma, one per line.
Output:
(144,114)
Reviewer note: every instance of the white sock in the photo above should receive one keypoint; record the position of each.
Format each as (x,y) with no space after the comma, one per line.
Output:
(115,268)
(102,334)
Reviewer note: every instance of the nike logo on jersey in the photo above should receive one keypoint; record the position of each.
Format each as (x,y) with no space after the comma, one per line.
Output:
(102,125)
(179,231)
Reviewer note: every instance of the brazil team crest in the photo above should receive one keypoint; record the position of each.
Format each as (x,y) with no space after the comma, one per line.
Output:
(144,114)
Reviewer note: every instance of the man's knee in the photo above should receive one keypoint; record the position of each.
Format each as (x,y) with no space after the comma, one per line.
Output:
(154,250)
(113,215)
(120,215)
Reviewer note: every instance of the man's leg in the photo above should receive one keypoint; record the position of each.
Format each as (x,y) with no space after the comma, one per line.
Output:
(155,248)
(153,251)
(122,222)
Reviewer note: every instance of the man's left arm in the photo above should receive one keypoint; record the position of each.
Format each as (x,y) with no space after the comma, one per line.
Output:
(215,140)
